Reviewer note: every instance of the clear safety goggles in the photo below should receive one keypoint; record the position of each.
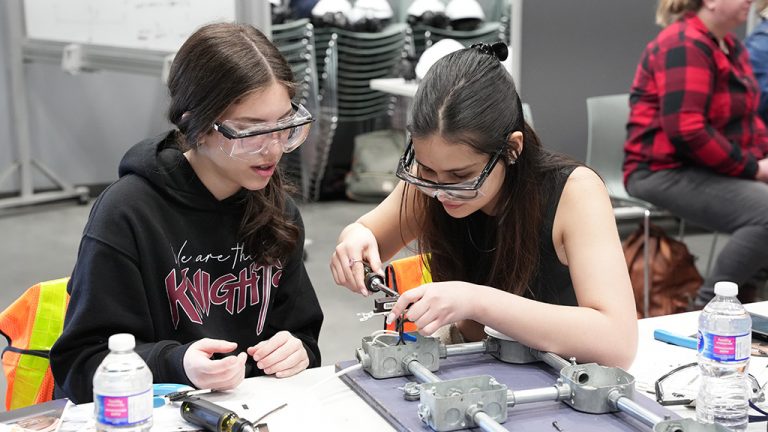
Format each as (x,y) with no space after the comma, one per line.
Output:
(245,138)
(408,171)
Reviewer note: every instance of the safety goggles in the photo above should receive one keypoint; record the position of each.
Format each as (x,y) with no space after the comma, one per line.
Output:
(408,171)
(246,138)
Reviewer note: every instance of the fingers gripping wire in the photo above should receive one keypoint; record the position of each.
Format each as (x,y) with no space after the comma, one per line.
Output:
(400,328)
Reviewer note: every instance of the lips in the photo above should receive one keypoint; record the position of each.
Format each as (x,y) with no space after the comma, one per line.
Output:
(264,170)
(449,205)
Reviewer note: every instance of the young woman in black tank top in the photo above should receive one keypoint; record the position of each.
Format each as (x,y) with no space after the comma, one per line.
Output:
(520,239)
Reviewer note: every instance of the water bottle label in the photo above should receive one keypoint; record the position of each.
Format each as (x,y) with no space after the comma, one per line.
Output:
(725,348)
(123,410)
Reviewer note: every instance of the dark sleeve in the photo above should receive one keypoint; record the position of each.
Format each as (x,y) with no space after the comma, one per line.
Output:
(107,297)
(685,75)
(296,308)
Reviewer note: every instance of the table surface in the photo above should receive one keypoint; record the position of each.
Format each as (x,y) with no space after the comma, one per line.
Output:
(318,400)
(395,86)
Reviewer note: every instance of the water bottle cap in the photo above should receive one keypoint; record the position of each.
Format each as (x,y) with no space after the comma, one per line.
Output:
(725,288)
(121,342)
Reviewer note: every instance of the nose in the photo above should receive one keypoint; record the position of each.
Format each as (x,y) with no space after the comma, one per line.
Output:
(273,145)
(441,196)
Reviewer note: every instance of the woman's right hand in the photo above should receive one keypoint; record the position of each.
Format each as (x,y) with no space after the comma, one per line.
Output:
(356,244)
(762,170)
(222,374)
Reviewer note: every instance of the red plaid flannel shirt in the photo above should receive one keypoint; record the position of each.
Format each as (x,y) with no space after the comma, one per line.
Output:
(693,104)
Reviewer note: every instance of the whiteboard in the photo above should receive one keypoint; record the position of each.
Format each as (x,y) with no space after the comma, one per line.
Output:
(161,25)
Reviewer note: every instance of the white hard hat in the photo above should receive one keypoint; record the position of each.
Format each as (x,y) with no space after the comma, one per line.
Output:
(464,9)
(331,6)
(378,9)
(434,53)
(418,7)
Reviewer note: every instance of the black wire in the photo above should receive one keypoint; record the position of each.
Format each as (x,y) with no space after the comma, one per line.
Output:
(400,325)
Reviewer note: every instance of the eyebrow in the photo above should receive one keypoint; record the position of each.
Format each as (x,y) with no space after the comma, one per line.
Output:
(452,171)
(254,119)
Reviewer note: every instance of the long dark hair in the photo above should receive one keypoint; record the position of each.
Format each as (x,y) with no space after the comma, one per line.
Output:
(468,97)
(215,68)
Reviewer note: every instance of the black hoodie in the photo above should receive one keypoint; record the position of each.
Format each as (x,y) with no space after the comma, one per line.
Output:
(161,258)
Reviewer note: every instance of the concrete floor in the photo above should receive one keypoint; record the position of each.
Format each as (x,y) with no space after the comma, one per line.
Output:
(40,243)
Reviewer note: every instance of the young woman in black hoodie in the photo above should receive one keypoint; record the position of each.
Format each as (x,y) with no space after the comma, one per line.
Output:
(197,249)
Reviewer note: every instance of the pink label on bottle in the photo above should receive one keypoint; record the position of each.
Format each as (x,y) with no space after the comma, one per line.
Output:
(724,345)
(725,348)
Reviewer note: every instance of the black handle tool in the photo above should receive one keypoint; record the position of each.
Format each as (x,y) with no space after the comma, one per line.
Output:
(374,282)
(214,418)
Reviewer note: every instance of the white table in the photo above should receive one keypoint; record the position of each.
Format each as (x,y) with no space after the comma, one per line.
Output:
(317,400)
(395,86)
(655,358)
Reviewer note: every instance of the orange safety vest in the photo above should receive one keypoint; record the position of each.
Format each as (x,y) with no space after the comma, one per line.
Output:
(32,324)
(404,274)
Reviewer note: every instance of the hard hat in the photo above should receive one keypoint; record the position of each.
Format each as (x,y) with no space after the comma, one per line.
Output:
(464,9)
(465,14)
(379,9)
(331,13)
(331,6)
(434,53)
(419,7)
(370,15)
(427,12)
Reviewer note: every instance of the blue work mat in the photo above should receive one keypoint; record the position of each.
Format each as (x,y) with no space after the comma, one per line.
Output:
(386,397)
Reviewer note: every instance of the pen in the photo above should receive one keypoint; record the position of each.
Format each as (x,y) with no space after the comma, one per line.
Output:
(675,339)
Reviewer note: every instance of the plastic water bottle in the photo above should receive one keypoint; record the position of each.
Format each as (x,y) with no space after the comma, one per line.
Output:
(122,389)
(724,347)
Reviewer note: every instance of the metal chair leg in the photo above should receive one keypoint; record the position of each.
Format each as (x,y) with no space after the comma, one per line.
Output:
(711,255)
(646,262)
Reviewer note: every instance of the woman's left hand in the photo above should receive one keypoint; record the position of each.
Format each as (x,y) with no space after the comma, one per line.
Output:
(436,304)
(282,355)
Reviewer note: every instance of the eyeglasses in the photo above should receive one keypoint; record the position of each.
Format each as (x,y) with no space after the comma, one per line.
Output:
(680,386)
(245,139)
(464,191)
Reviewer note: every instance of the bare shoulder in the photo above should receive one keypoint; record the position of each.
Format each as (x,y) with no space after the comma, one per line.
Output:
(584,183)
(584,197)
(583,174)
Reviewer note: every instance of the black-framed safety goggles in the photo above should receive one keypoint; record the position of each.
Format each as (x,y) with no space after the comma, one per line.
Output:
(407,170)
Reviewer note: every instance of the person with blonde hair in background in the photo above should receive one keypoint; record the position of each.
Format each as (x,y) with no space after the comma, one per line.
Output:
(757,45)
(696,144)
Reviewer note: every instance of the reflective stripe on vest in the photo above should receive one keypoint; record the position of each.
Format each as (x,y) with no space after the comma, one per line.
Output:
(48,323)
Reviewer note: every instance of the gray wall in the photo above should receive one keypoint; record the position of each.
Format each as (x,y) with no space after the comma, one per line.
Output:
(576,49)
(81,125)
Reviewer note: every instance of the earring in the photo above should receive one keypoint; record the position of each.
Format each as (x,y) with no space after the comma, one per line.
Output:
(513,155)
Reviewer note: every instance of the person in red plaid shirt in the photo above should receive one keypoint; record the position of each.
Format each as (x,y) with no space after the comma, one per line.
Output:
(696,144)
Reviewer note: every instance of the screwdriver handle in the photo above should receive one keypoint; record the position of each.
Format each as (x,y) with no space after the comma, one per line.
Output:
(373,281)
(213,417)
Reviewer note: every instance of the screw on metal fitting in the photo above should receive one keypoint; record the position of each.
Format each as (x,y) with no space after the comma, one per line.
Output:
(412,391)
(572,360)
(424,413)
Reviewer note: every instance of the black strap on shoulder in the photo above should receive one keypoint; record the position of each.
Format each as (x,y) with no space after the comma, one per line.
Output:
(39,353)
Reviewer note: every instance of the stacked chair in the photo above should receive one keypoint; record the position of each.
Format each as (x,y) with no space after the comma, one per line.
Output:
(362,57)
(350,61)
(295,40)
(488,32)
